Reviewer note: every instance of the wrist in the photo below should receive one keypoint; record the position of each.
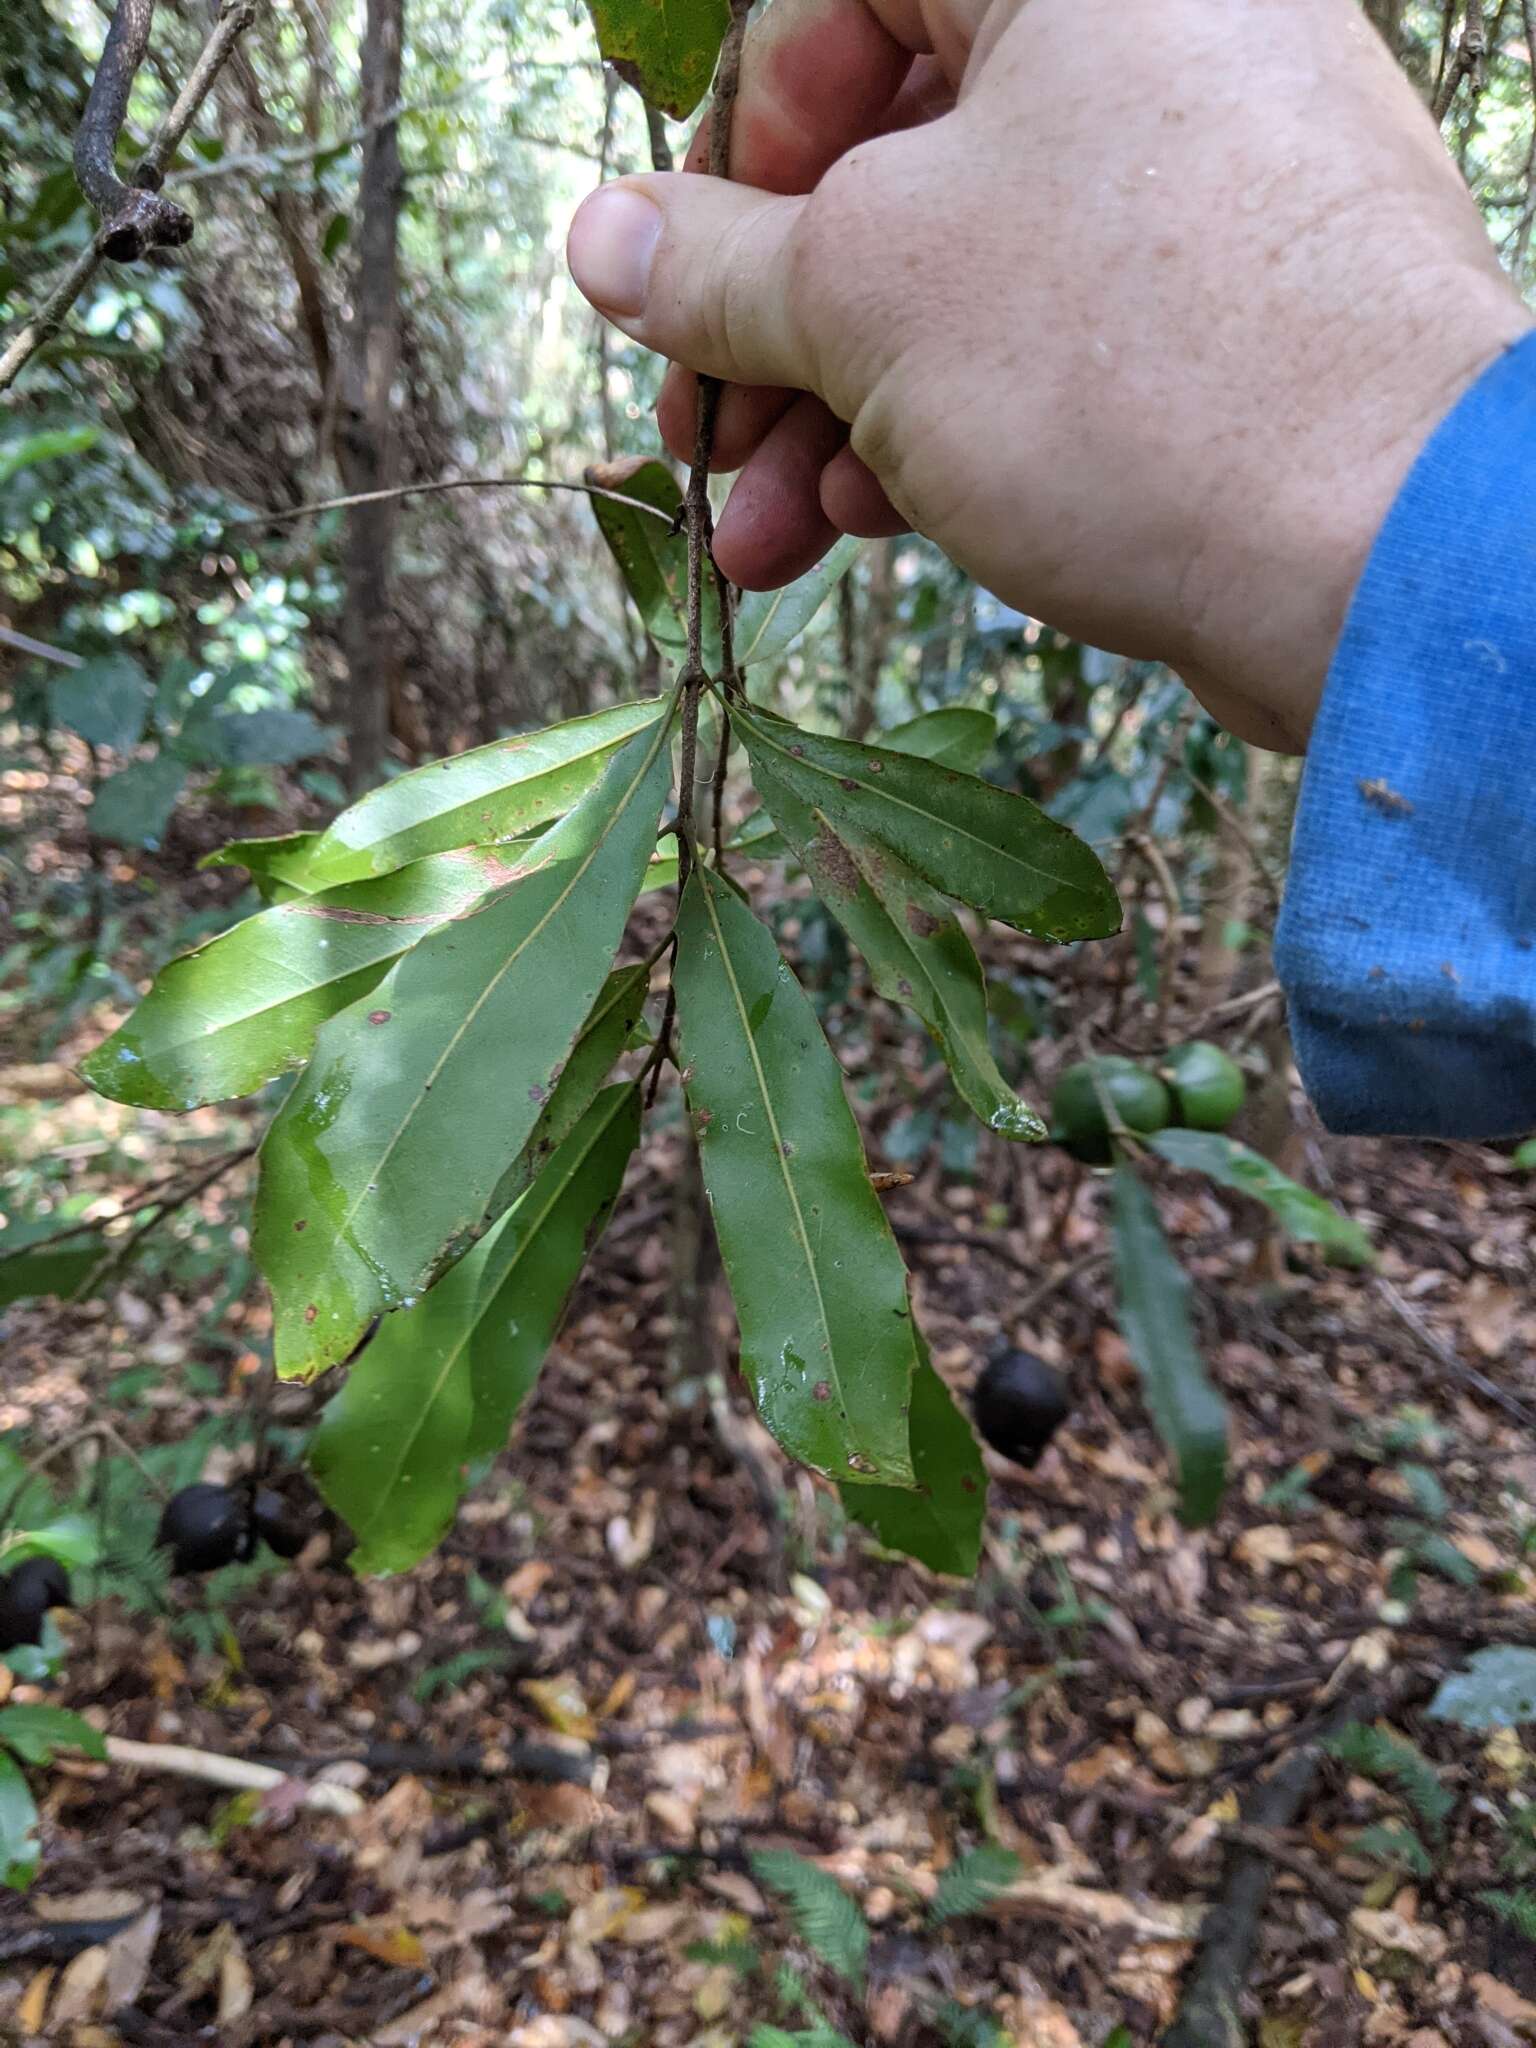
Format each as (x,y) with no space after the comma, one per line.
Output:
(1286,542)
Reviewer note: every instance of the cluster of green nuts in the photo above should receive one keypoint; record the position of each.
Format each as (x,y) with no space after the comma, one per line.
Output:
(1197,1086)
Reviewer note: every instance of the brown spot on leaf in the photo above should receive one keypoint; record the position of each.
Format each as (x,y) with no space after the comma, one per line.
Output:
(310,1313)
(302,1224)
(922,923)
(378,1016)
(822,1391)
(835,864)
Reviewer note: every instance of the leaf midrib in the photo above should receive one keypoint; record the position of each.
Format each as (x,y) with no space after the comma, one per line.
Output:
(778,1144)
(478,1315)
(978,1056)
(883,792)
(664,728)
(343,846)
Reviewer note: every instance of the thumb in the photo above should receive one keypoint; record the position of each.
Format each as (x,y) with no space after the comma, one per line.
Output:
(698,269)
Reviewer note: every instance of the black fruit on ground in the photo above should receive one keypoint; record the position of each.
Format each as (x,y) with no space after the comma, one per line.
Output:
(1019,1403)
(1207,1087)
(1078,1122)
(279,1525)
(205,1527)
(26,1594)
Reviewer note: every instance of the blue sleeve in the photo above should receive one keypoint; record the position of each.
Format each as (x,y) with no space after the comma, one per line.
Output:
(1407,944)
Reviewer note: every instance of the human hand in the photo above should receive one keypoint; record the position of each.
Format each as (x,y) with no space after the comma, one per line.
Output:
(1140,309)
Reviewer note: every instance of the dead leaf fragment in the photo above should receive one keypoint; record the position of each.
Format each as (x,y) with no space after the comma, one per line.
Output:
(128,1959)
(561,1703)
(1386,1931)
(80,1989)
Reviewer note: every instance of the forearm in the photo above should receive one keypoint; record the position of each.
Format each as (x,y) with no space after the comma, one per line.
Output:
(1408,940)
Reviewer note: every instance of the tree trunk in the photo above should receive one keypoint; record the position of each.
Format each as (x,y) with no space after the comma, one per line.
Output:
(367,449)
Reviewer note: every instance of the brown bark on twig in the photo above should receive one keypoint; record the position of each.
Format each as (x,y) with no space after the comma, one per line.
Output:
(1210,2015)
(1468,61)
(235,17)
(138,217)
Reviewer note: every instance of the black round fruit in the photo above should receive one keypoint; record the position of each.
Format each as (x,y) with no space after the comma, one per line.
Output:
(281,1527)
(1019,1403)
(26,1594)
(206,1526)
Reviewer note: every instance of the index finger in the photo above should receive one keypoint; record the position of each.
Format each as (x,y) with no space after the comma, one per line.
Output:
(817,76)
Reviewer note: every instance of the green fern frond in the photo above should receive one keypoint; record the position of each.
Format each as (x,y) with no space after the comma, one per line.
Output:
(1516,1909)
(826,1918)
(972,1881)
(1389,1759)
(1395,1845)
(962,2027)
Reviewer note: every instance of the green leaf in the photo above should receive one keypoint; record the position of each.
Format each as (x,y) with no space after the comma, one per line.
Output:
(72,1539)
(440,1384)
(1427,1493)
(972,1881)
(1436,1553)
(1496,1690)
(940,1522)
(1153,1289)
(19,1849)
(768,622)
(481,798)
(34,1733)
(827,1340)
(666,49)
(1516,1909)
(1303,1215)
(1389,1759)
(1524,1160)
(279,867)
(987,847)
(916,950)
(265,738)
(46,446)
(227,1017)
(134,806)
(954,735)
(538,1251)
(826,1918)
(56,1269)
(603,1038)
(652,552)
(105,700)
(392,1144)
(1393,1844)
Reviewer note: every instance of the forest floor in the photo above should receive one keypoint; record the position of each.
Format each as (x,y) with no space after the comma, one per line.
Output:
(622,1677)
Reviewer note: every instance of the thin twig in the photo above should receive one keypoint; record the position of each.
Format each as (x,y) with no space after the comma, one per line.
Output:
(1468,62)
(722,761)
(24,644)
(1225,815)
(699,519)
(82,1435)
(1210,2014)
(235,18)
(656,131)
(1467,1375)
(452,483)
(133,219)
(119,1255)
